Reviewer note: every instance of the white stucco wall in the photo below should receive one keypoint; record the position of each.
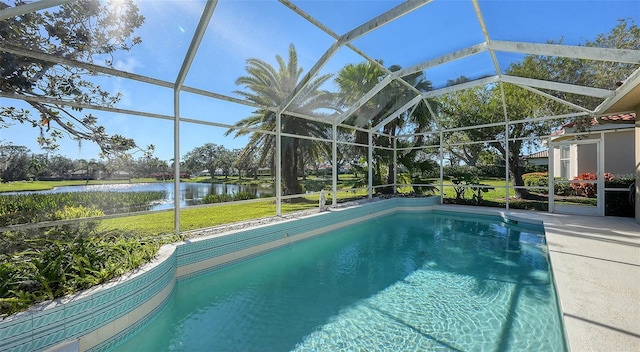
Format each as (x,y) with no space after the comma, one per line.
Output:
(587,159)
(618,154)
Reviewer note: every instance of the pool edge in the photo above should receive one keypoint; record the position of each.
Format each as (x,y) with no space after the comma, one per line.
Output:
(181,259)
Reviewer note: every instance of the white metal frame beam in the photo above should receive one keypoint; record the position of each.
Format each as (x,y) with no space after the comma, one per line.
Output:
(30,7)
(571,51)
(397,113)
(348,37)
(552,97)
(459,54)
(364,99)
(461,86)
(410,70)
(334,35)
(563,87)
(207,12)
(487,39)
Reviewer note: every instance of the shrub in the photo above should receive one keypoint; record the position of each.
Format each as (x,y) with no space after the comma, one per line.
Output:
(617,203)
(541,179)
(589,190)
(38,264)
(54,268)
(220,198)
(462,176)
(562,189)
(76,229)
(536,179)
(623,181)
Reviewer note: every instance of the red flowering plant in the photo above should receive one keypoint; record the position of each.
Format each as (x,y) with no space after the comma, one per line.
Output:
(589,190)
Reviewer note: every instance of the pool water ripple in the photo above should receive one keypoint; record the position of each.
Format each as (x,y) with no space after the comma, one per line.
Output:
(401,282)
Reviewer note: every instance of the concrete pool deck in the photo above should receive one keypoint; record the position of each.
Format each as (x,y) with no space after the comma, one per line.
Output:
(596,264)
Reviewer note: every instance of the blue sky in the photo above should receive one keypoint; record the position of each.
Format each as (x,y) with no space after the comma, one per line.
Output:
(263,29)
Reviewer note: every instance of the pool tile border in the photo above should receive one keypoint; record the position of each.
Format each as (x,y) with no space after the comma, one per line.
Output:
(103,317)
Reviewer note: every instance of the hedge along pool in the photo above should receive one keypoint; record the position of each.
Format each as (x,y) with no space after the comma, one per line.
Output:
(404,281)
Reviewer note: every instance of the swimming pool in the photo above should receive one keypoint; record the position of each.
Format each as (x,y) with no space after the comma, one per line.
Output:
(403,281)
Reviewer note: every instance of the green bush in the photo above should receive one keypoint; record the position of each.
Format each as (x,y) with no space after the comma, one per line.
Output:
(536,179)
(618,203)
(620,182)
(221,198)
(541,179)
(54,268)
(48,262)
(563,189)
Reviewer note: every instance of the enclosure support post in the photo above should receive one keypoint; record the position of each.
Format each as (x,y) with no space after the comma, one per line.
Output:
(506,162)
(441,168)
(334,162)
(370,166)
(600,183)
(207,12)
(551,174)
(278,164)
(395,166)
(176,161)
(637,147)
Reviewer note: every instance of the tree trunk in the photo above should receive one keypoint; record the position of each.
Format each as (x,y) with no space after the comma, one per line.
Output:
(516,177)
(392,166)
(290,169)
(514,168)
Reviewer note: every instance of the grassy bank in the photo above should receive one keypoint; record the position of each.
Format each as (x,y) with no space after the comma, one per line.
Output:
(23,186)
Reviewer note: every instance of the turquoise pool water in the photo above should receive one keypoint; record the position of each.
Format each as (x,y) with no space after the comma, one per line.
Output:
(402,282)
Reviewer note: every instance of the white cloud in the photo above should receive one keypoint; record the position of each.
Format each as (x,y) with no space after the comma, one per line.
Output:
(128,65)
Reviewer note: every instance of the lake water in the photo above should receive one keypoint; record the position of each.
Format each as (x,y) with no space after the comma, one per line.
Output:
(190,192)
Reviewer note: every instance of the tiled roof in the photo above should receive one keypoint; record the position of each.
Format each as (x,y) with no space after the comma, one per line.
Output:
(628,117)
(592,122)
(538,155)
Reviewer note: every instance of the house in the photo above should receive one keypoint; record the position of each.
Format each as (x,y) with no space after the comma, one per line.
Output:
(609,140)
(540,158)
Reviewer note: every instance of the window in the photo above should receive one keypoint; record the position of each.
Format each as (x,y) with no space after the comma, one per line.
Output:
(565,161)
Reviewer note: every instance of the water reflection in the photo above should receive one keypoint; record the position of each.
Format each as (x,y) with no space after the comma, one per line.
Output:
(190,192)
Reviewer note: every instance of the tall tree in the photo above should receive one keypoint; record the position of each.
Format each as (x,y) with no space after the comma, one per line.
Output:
(210,156)
(14,162)
(460,144)
(226,161)
(599,74)
(269,87)
(60,166)
(38,166)
(483,105)
(84,30)
(247,162)
(354,81)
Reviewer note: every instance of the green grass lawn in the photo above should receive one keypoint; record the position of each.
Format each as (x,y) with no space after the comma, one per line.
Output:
(202,217)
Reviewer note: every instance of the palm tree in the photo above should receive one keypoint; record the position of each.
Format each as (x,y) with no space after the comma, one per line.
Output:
(268,87)
(355,80)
